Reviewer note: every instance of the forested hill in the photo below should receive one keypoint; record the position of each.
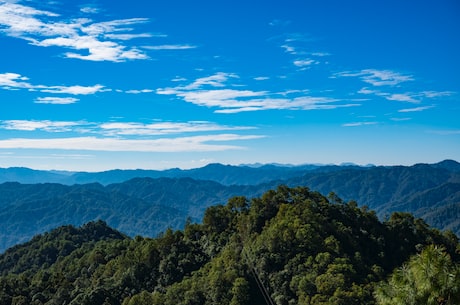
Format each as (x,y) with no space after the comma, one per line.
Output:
(288,246)
(147,206)
(141,206)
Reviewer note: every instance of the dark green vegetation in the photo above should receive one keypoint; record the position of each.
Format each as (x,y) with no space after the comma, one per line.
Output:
(289,246)
(148,206)
(141,206)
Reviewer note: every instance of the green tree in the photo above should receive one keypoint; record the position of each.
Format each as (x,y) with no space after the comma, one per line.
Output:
(428,278)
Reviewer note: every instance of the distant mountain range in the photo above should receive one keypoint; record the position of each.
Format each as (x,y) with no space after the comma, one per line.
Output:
(146,202)
(223,174)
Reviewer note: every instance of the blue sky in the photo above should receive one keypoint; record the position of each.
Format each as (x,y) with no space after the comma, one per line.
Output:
(96,85)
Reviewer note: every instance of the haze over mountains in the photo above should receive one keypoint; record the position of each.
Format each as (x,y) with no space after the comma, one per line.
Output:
(147,202)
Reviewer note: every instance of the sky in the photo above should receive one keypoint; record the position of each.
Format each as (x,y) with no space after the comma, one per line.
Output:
(98,84)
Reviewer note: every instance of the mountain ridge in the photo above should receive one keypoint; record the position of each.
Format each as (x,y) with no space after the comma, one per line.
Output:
(148,206)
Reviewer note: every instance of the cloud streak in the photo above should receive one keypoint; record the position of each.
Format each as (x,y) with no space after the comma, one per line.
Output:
(56,100)
(409,97)
(378,78)
(182,144)
(211,92)
(14,81)
(118,129)
(416,109)
(44,125)
(171,47)
(163,128)
(126,136)
(357,124)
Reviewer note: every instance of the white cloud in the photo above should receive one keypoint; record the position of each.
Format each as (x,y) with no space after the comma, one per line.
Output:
(14,81)
(305,62)
(75,90)
(320,54)
(435,94)
(259,78)
(367,91)
(89,10)
(402,97)
(119,129)
(127,36)
(139,91)
(235,100)
(400,119)
(10,81)
(416,109)
(408,97)
(45,125)
(356,124)
(162,128)
(179,79)
(171,47)
(289,49)
(378,77)
(181,144)
(56,100)
(216,80)
(98,50)
(97,41)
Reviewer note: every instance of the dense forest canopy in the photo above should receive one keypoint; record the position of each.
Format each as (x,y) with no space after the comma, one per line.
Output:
(288,246)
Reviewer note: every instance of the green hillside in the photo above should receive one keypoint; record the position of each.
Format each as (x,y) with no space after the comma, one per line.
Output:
(288,246)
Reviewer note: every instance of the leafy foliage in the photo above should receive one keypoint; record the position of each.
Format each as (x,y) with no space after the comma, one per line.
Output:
(288,246)
(428,278)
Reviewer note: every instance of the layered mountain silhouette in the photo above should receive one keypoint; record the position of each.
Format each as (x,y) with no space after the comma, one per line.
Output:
(143,202)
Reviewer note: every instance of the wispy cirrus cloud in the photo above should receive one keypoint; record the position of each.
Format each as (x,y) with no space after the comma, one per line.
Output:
(56,100)
(298,45)
(134,91)
(171,47)
(214,92)
(43,125)
(416,109)
(74,90)
(409,97)
(357,124)
(163,128)
(435,94)
(125,136)
(14,81)
(87,39)
(117,128)
(302,63)
(378,78)
(260,78)
(180,144)
(402,97)
(89,10)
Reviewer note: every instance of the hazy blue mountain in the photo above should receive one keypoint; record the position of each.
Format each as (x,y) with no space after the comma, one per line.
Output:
(148,206)
(141,206)
(224,174)
(76,205)
(27,175)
